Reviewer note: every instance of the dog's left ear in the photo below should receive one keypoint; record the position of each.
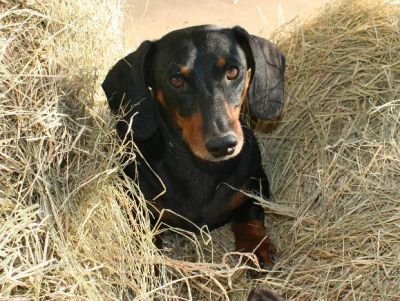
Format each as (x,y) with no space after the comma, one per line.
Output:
(267,63)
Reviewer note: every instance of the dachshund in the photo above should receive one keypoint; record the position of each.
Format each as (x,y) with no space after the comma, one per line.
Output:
(180,100)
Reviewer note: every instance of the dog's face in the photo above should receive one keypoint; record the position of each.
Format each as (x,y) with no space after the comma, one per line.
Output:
(199,76)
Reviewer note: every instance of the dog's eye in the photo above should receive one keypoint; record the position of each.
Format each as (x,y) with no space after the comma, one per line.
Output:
(177,81)
(232,72)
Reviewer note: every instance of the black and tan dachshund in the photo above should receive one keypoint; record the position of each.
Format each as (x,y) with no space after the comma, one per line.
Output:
(180,99)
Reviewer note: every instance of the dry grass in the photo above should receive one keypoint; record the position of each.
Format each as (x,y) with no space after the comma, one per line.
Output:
(63,234)
(66,225)
(335,158)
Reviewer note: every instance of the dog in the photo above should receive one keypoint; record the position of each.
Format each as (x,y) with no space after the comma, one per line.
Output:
(180,98)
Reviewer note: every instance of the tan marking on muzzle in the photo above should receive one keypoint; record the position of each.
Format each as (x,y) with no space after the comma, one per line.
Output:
(233,114)
(192,133)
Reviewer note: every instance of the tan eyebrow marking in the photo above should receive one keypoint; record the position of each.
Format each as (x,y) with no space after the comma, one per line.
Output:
(221,62)
(184,70)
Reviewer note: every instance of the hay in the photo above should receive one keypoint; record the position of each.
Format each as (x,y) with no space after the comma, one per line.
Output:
(67,228)
(63,235)
(335,158)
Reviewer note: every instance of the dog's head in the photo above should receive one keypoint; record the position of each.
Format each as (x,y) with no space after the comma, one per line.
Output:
(199,77)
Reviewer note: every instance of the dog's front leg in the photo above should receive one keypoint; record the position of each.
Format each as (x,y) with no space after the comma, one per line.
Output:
(251,236)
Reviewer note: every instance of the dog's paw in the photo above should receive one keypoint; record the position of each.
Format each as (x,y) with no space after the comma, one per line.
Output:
(266,254)
(251,237)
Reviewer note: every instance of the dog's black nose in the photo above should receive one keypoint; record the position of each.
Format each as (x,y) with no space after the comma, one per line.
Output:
(220,146)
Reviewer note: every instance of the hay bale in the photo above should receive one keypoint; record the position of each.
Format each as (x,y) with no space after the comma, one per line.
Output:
(334,161)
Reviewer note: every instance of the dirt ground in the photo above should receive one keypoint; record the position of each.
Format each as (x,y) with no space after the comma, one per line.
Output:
(150,19)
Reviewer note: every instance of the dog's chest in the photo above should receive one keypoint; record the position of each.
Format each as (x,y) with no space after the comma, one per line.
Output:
(198,196)
(201,195)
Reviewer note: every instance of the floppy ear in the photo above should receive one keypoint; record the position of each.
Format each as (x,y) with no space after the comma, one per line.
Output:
(267,63)
(127,93)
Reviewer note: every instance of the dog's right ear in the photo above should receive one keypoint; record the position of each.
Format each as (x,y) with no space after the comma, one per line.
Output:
(126,88)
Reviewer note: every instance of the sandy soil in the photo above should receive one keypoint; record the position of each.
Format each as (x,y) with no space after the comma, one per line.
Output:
(150,19)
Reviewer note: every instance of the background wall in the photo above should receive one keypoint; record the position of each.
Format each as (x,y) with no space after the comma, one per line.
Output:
(150,19)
